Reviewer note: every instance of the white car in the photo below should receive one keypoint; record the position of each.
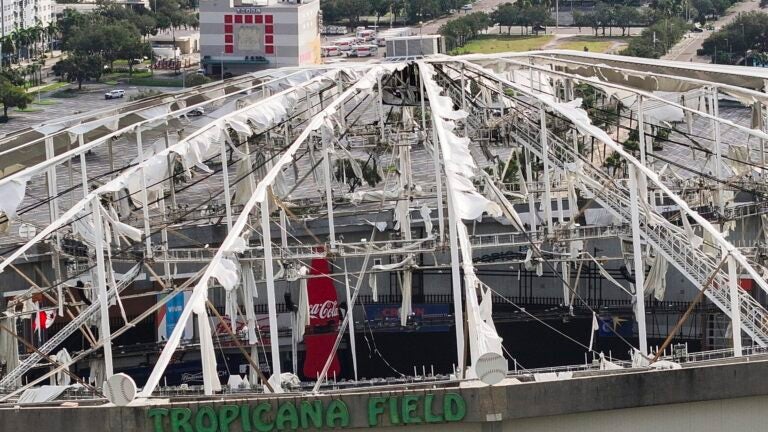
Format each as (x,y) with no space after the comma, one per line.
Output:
(466,7)
(114,94)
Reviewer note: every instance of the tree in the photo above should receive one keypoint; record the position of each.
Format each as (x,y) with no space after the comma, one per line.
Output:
(80,68)
(605,15)
(655,40)
(626,16)
(536,16)
(12,96)
(506,15)
(380,8)
(749,31)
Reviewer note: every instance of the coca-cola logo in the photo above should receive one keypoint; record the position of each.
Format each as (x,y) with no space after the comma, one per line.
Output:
(324,311)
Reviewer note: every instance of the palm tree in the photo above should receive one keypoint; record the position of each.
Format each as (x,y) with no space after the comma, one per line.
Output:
(8,47)
(51,31)
(36,35)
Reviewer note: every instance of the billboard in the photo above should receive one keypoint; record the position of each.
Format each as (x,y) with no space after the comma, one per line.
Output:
(168,316)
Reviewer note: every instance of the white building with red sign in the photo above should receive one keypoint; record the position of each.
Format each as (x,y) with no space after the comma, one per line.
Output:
(238,37)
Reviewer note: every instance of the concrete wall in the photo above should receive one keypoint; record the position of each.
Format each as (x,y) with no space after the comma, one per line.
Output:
(703,398)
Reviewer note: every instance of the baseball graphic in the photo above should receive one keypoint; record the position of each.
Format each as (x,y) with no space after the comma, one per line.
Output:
(491,368)
(120,389)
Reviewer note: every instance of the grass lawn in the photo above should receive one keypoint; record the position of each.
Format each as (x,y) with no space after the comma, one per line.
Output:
(45,102)
(52,87)
(593,44)
(488,44)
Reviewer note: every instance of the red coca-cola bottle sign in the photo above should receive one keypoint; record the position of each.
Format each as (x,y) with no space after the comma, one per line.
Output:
(323,303)
(324,318)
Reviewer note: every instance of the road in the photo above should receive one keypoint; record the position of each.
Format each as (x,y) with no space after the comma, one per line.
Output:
(685,50)
(90,100)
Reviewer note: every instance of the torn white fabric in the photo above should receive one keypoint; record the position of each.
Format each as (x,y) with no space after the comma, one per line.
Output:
(225,271)
(695,240)
(61,377)
(249,293)
(595,327)
(211,381)
(607,364)
(604,273)
(459,163)
(407,262)
(406,289)
(302,315)
(427,218)
(401,215)
(245,186)
(9,347)
(11,196)
(656,280)
(764,223)
(260,196)
(120,227)
(97,371)
(380,226)
(110,123)
(373,285)
(376,196)
(740,159)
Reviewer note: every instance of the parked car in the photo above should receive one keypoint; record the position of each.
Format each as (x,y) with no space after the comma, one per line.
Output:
(539,28)
(228,75)
(466,7)
(200,71)
(114,94)
(197,112)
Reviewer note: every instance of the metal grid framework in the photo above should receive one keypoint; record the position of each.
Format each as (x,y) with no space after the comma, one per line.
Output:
(103,191)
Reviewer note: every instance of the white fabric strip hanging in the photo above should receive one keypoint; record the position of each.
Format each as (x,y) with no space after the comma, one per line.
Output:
(466,204)
(199,292)
(656,280)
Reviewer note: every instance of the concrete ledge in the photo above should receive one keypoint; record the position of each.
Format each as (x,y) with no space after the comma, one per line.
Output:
(484,405)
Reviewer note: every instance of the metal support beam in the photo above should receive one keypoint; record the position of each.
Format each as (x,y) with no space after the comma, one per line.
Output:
(351,312)
(639,268)
(144,196)
(719,202)
(274,342)
(225,178)
(458,312)
(328,191)
(435,163)
(733,293)
(547,201)
(101,283)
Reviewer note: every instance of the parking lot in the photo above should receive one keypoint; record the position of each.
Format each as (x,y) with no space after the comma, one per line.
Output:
(90,99)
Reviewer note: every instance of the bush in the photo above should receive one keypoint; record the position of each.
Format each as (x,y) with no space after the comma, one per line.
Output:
(143,94)
(196,80)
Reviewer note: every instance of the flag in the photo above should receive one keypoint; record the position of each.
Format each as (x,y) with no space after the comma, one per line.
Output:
(43,319)
(595,327)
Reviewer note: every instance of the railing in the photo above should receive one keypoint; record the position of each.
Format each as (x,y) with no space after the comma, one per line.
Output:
(65,332)
(671,241)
